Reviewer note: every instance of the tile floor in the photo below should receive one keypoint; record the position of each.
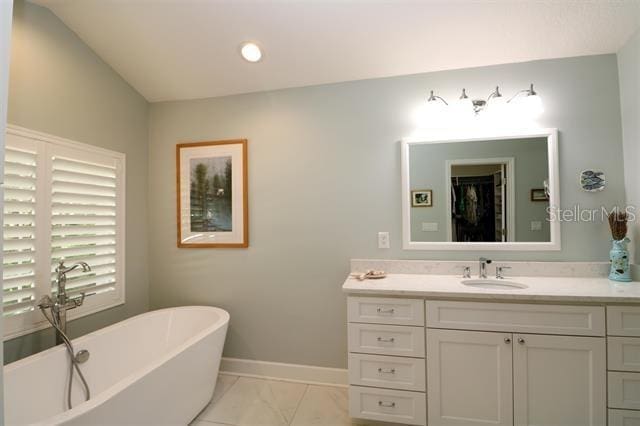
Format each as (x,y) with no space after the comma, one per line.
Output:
(245,401)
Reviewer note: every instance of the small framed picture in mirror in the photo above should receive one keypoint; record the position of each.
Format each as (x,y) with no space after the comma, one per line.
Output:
(539,194)
(422,198)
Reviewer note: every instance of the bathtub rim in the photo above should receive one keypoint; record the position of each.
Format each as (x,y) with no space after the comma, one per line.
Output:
(123,383)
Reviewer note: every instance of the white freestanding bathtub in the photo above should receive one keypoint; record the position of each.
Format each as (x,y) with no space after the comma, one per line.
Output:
(158,368)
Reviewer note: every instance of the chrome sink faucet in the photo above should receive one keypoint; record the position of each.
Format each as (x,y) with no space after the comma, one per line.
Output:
(62,303)
(482,273)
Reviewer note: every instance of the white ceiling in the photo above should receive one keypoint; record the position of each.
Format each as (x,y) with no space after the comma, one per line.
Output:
(185,49)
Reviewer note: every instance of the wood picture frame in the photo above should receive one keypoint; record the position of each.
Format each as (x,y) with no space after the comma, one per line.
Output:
(212,194)
(422,198)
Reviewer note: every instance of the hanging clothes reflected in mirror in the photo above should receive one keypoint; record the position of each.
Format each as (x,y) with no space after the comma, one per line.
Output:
(480,197)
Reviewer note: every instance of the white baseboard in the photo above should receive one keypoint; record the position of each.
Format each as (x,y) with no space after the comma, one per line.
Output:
(280,371)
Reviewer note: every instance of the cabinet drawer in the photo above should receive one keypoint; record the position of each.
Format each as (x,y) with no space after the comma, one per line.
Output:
(523,318)
(623,353)
(387,372)
(378,310)
(623,320)
(624,390)
(624,418)
(386,339)
(387,405)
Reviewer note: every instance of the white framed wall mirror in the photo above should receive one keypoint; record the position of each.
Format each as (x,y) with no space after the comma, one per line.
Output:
(488,191)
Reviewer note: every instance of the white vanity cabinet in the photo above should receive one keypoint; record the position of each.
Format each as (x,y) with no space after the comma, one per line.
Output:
(470,378)
(503,378)
(485,363)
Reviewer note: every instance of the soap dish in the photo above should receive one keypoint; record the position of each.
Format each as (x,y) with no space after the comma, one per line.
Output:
(370,275)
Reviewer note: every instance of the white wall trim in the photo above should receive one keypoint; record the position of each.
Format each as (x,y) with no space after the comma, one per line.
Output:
(288,372)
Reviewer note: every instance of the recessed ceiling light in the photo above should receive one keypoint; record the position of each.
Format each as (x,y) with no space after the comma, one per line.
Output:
(250,52)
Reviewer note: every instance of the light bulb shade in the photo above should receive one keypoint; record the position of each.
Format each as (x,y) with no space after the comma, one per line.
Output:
(435,107)
(532,106)
(463,108)
(497,105)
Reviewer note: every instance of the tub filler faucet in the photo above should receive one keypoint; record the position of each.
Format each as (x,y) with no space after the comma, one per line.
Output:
(62,303)
(57,317)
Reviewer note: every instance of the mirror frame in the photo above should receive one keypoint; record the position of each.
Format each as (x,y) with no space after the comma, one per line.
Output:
(554,188)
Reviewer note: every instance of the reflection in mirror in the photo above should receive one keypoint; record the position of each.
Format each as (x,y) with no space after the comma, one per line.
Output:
(482,191)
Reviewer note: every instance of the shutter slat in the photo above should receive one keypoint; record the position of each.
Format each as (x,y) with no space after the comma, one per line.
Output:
(82,242)
(83,188)
(20,169)
(18,281)
(19,194)
(82,252)
(17,296)
(12,309)
(81,231)
(89,283)
(69,209)
(19,182)
(13,232)
(85,200)
(74,177)
(90,169)
(82,220)
(19,209)
(19,245)
(19,156)
(94,261)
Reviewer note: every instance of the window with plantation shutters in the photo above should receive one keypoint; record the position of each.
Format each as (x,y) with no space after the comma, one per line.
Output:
(63,201)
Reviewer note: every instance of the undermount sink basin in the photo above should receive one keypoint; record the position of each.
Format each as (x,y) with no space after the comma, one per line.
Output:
(494,284)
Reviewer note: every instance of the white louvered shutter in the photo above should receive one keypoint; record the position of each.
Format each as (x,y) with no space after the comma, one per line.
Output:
(19,262)
(83,221)
(62,201)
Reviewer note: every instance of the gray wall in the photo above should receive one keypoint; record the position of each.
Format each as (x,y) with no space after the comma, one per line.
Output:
(59,86)
(427,167)
(324,178)
(629,72)
(6,9)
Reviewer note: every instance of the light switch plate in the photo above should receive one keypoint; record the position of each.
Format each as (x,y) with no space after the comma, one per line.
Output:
(430,226)
(383,240)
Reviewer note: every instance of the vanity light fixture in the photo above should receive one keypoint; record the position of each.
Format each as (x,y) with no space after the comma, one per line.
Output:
(250,51)
(531,103)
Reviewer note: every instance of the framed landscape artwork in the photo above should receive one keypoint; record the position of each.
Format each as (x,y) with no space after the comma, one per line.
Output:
(212,194)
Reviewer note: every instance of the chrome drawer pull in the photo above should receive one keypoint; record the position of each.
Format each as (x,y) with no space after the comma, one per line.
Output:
(389,340)
(387,371)
(387,404)
(390,311)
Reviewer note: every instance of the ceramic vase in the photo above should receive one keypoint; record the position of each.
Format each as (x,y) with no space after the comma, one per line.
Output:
(619,257)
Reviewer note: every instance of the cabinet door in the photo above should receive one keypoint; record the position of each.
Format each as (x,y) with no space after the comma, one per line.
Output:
(559,380)
(469,378)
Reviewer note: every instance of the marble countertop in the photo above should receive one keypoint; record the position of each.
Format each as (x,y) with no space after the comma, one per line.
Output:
(548,289)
